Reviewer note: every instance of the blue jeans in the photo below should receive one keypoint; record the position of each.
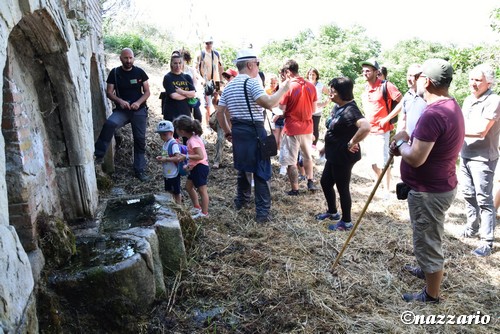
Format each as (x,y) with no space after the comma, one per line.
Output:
(262,191)
(477,181)
(119,118)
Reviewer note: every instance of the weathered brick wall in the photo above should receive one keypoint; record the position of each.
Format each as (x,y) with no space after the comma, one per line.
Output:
(52,61)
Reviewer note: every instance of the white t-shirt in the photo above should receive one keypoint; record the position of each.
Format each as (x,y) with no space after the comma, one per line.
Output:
(319,93)
(170,168)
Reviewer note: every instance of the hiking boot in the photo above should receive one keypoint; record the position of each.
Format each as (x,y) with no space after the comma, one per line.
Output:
(98,160)
(311,186)
(263,219)
(302,178)
(142,176)
(483,251)
(293,193)
(323,216)
(241,205)
(340,226)
(419,297)
(415,271)
(467,233)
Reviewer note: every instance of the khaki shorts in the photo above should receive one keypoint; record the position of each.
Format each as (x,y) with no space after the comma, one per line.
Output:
(427,214)
(290,146)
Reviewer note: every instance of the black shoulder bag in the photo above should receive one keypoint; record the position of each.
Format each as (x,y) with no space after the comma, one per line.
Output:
(267,145)
(393,103)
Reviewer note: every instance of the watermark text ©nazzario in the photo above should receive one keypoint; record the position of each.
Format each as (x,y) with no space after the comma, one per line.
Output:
(410,318)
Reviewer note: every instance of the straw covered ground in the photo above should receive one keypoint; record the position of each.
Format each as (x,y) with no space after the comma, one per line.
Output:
(244,277)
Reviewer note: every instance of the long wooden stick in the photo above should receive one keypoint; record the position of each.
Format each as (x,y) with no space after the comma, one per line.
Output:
(381,176)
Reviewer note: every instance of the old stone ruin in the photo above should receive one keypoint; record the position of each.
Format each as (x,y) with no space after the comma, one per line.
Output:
(53,106)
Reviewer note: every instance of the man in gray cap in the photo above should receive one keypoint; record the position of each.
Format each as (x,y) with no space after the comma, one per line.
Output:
(428,168)
(376,110)
(241,125)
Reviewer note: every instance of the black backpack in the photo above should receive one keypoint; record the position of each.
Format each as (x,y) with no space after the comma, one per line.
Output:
(394,103)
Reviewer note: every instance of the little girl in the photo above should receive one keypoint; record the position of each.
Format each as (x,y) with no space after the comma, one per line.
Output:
(197,163)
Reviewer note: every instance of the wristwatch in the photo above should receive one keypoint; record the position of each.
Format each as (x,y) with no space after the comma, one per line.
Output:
(400,142)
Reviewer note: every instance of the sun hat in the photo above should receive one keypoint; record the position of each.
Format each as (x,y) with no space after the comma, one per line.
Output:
(165,126)
(371,62)
(208,39)
(245,54)
(230,72)
(438,70)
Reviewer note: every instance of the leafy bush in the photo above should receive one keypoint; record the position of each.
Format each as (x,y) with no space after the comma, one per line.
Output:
(138,44)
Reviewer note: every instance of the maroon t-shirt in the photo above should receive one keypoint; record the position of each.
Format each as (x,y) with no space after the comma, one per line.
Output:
(442,122)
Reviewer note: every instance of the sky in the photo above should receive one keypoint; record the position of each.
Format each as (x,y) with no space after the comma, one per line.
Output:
(259,21)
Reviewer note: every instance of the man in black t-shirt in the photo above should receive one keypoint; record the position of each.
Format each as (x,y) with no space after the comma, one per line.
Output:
(128,88)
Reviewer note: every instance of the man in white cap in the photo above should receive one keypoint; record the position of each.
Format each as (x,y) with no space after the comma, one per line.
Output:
(209,66)
(428,167)
(241,126)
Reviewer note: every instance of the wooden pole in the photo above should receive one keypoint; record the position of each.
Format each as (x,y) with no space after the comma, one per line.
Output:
(387,165)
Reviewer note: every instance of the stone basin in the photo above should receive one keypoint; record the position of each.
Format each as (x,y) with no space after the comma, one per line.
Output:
(122,258)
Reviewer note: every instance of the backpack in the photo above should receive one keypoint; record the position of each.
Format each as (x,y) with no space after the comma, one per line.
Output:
(203,58)
(183,149)
(393,102)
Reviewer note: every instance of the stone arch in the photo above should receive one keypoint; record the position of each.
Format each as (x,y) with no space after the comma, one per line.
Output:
(46,128)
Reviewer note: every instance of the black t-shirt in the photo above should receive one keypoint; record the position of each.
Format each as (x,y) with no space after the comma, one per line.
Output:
(174,108)
(341,127)
(129,87)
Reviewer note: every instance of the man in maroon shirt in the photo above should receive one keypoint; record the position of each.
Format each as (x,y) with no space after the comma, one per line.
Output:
(428,167)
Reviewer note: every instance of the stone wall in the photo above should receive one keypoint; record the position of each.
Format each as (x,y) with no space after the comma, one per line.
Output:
(52,61)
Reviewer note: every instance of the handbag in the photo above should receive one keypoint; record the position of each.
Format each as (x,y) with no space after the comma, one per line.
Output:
(212,122)
(194,102)
(402,190)
(267,145)
(209,87)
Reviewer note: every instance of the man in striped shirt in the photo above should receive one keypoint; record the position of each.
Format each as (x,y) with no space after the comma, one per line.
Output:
(241,127)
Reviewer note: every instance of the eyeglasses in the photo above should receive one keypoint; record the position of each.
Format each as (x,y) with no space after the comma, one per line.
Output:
(255,62)
(208,43)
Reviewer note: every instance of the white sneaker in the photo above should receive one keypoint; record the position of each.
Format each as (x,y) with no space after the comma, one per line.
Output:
(283,170)
(194,211)
(200,215)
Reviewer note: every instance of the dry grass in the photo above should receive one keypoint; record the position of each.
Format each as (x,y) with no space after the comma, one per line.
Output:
(244,277)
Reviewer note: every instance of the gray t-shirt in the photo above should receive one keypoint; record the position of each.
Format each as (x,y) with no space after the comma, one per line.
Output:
(486,106)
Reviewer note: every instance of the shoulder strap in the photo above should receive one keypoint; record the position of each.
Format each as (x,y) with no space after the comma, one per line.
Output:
(201,60)
(212,65)
(250,109)
(116,82)
(384,95)
(170,145)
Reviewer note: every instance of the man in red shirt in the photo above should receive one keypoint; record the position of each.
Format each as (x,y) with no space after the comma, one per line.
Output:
(298,105)
(375,110)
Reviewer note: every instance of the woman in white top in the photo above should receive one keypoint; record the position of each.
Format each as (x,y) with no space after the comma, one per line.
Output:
(313,77)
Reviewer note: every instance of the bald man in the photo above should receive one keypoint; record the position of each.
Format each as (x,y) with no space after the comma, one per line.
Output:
(128,88)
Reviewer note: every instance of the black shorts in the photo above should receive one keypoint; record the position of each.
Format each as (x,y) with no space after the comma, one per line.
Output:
(173,185)
(199,175)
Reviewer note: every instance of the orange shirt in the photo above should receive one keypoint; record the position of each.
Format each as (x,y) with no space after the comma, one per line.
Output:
(300,102)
